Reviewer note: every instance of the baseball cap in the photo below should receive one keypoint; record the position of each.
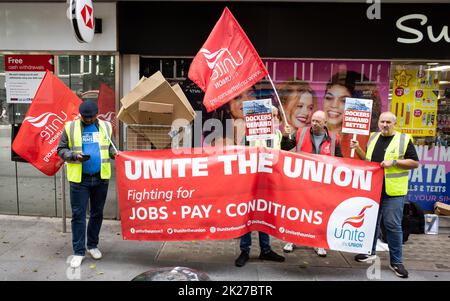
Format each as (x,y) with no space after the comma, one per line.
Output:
(88,108)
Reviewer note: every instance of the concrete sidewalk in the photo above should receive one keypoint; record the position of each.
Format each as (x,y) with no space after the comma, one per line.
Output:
(34,248)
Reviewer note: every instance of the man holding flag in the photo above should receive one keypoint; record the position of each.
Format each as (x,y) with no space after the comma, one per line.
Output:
(87,148)
(226,66)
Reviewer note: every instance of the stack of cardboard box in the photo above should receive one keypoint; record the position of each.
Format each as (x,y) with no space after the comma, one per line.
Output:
(442,208)
(149,110)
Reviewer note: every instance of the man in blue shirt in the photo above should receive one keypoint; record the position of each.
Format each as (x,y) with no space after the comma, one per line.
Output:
(87,148)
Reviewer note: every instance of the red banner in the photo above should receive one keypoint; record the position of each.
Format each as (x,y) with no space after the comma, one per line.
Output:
(38,137)
(311,200)
(227,64)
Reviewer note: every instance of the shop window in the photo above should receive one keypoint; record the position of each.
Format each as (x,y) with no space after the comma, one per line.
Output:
(90,77)
(419,97)
(8,188)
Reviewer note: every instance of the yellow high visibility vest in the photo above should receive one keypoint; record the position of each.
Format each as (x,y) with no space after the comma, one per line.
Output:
(276,141)
(396,178)
(73,131)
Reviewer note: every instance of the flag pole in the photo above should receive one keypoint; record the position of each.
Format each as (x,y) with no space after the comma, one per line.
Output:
(110,141)
(279,101)
(63,198)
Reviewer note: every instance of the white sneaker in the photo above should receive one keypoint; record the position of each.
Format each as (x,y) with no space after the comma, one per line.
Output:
(321,252)
(288,248)
(95,253)
(76,260)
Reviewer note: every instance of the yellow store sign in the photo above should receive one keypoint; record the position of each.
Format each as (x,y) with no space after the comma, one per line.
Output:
(415,100)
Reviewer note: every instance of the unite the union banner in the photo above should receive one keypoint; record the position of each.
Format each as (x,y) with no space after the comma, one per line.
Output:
(307,199)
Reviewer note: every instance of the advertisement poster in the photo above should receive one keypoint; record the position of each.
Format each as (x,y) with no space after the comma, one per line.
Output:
(308,85)
(258,119)
(415,100)
(430,182)
(357,115)
(23,74)
(312,200)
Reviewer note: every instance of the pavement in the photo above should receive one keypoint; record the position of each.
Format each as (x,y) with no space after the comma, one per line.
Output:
(34,248)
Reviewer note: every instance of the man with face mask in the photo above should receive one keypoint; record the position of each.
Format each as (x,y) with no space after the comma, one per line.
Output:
(87,148)
(316,140)
(397,155)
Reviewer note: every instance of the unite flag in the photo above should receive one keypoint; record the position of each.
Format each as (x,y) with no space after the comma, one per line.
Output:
(53,105)
(227,64)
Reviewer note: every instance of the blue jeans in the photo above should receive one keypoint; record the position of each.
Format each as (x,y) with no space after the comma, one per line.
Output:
(391,213)
(264,242)
(94,189)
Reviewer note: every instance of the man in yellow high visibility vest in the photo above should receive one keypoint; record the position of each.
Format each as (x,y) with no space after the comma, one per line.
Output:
(87,148)
(397,155)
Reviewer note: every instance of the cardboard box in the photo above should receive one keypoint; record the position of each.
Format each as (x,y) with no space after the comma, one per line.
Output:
(431,224)
(146,137)
(442,208)
(154,113)
(155,89)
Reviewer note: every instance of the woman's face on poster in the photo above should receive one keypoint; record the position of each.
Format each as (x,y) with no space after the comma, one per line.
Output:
(302,112)
(334,104)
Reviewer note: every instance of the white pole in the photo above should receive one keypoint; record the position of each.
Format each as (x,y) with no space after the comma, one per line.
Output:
(279,101)
(352,154)
(110,141)
(278,98)
(63,198)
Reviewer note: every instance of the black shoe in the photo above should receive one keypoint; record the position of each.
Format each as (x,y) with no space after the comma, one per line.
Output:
(272,256)
(365,257)
(399,270)
(242,259)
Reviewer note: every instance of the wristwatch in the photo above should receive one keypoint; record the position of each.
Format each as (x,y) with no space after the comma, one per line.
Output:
(394,163)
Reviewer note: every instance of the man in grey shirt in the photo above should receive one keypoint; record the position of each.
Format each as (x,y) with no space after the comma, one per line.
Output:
(316,140)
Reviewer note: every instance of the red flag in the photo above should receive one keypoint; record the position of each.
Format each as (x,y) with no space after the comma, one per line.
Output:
(106,105)
(227,64)
(38,137)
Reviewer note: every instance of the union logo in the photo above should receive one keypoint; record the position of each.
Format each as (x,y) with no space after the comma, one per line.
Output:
(357,221)
(40,120)
(221,61)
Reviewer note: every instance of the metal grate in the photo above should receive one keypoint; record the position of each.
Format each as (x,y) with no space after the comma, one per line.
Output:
(147,137)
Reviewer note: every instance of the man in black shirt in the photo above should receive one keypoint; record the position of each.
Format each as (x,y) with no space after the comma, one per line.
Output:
(397,155)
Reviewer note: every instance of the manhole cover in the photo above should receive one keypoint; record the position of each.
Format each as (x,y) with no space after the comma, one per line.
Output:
(172,274)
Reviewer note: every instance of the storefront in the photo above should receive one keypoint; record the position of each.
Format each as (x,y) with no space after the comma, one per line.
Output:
(301,44)
(42,31)
(397,54)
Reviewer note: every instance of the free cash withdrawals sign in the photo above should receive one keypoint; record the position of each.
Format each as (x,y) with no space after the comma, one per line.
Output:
(357,115)
(23,75)
(312,200)
(258,119)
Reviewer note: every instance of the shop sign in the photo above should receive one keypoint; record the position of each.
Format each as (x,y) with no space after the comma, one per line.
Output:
(82,18)
(433,36)
(23,75)
(430,182)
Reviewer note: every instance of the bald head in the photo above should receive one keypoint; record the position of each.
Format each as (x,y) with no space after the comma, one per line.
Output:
(389,115)
(320,115)
(386,123)
(318,121)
